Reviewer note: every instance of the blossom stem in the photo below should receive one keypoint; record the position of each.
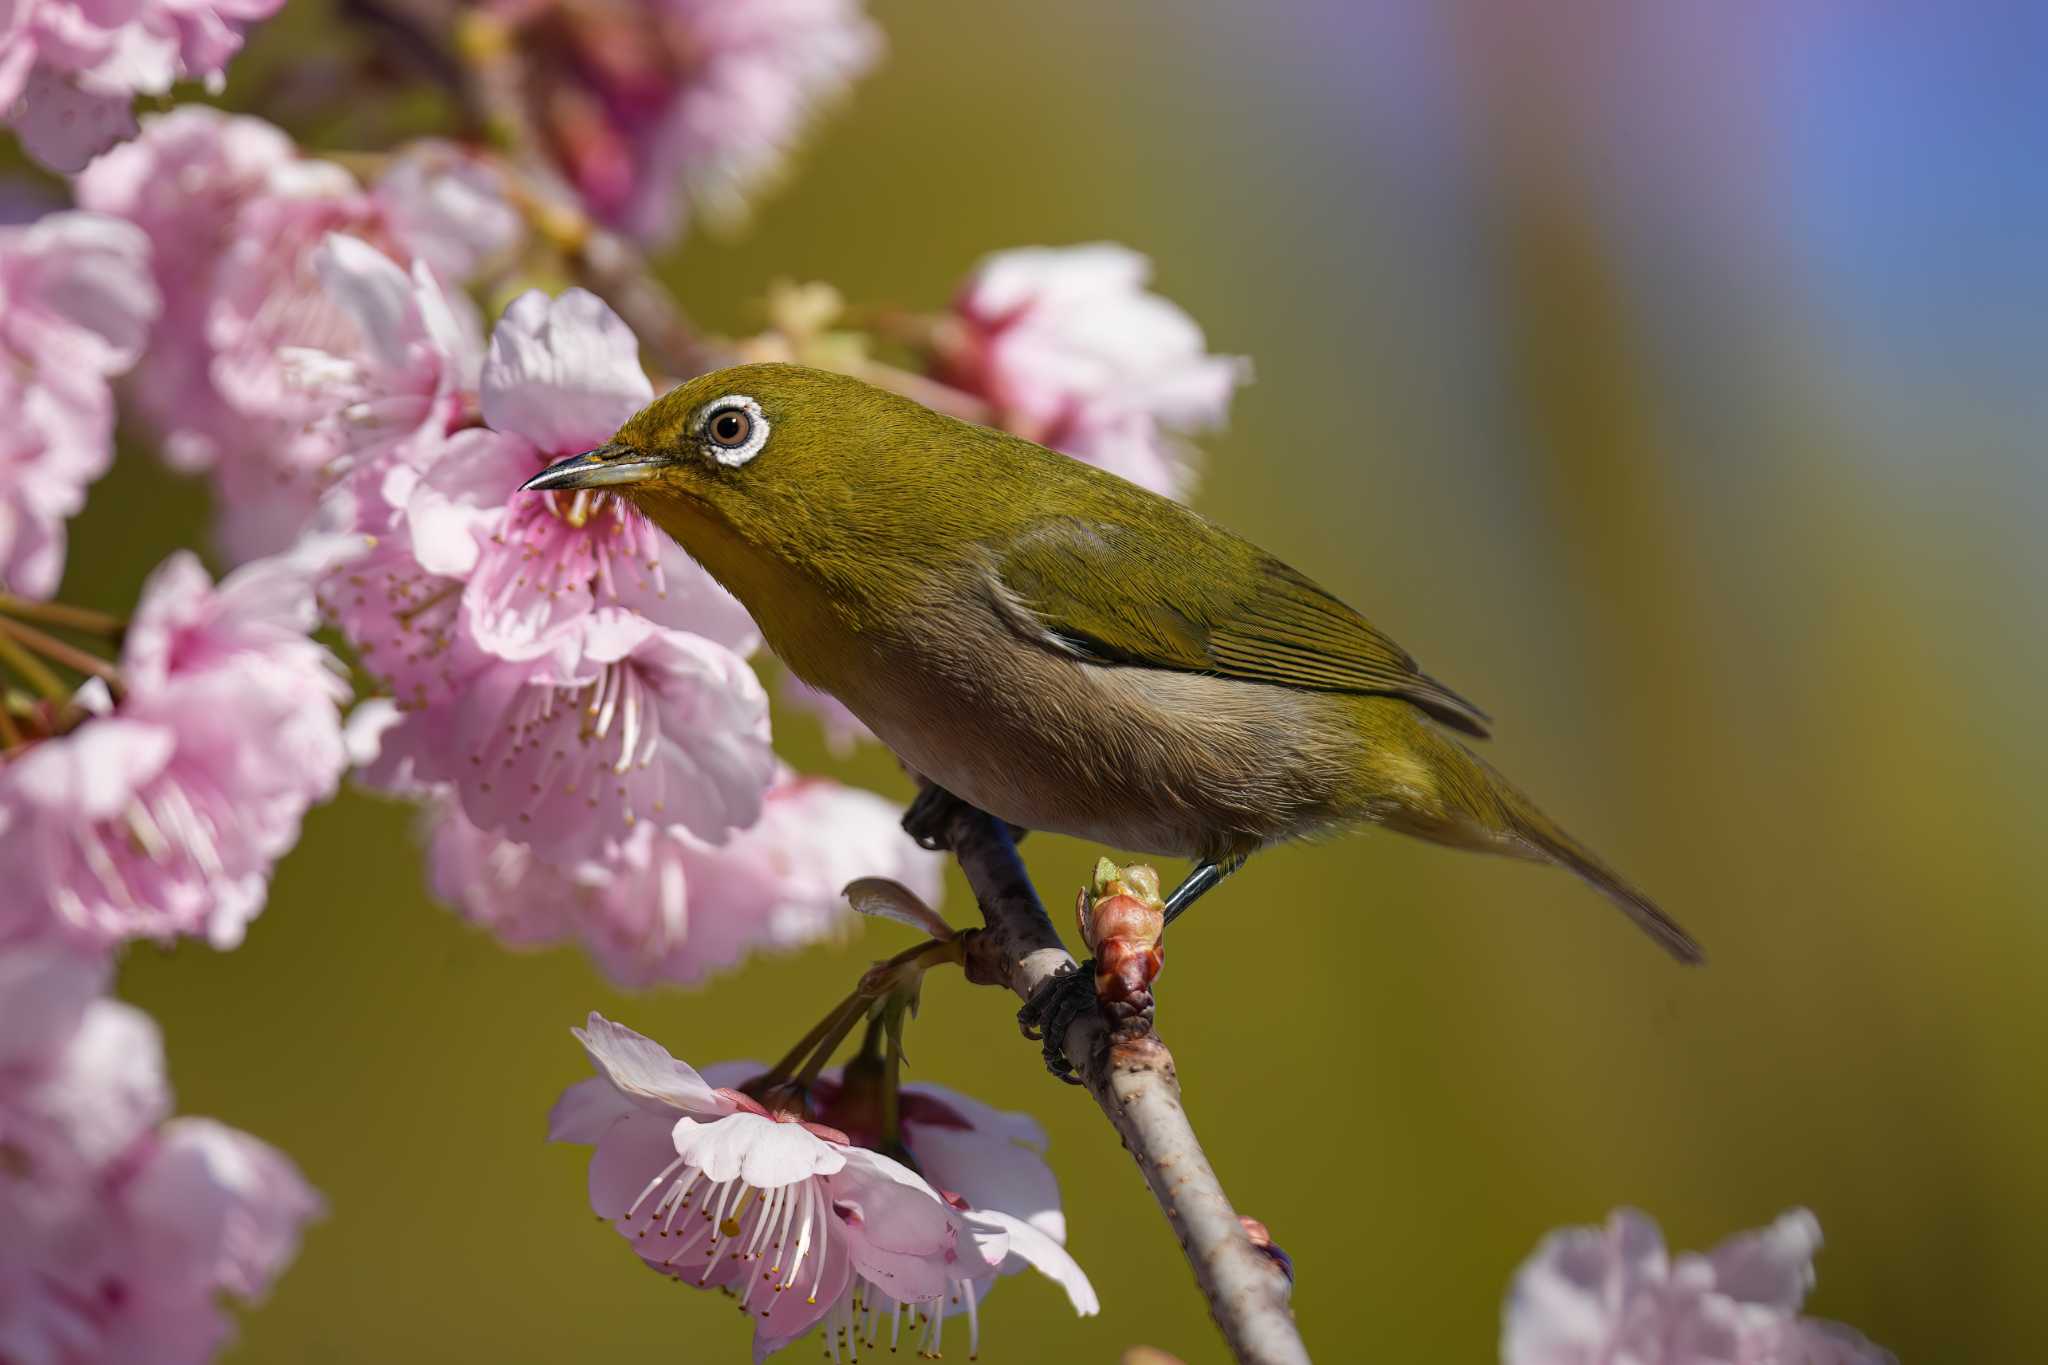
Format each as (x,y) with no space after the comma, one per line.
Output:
(62,614)
(50,647)
(826,1034)
(892,1075)
(889,981)
(28,667)
(10,733)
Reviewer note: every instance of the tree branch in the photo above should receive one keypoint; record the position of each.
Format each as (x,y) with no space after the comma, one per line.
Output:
(1139,1091)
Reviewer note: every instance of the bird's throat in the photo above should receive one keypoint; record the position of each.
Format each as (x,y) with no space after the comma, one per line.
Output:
(797,621)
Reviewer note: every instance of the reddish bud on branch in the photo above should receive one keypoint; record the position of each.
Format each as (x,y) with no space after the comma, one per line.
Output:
(1122,919)
(1262,1239)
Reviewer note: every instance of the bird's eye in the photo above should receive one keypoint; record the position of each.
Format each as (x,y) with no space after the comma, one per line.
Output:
(731,427)
(734,428)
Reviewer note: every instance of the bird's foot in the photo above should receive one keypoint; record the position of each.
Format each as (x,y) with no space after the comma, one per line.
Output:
(930,818)
(1059,1000)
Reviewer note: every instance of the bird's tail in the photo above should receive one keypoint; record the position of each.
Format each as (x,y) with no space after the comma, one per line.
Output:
(1542,835)
(1475,806)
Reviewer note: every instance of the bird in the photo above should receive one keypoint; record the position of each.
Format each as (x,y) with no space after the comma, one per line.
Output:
(1056,646)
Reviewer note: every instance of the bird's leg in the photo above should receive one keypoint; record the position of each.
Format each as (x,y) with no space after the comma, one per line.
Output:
(1058,1001)
(1206,876)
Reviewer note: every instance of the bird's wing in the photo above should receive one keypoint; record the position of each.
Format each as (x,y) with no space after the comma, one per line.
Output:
(1100,592)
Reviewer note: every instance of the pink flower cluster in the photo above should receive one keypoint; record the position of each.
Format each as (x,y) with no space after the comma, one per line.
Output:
(673,907)
(570,690)
(658,108)
(69,68)
(235,218)
(161,812)
(1071,351)
(1613,1296)
(76,303)
(120,1226)
(800,1221)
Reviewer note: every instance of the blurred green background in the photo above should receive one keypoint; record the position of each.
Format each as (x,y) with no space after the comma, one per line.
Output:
(1663,377)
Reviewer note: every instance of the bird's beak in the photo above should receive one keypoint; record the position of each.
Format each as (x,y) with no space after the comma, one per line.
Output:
(606,467)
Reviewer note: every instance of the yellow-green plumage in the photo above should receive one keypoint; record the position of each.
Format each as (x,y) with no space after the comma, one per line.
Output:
(1060,647)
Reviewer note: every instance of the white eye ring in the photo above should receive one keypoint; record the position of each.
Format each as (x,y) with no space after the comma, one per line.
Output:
(754,435)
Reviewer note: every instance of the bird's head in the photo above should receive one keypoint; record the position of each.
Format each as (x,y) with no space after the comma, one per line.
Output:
(751,447)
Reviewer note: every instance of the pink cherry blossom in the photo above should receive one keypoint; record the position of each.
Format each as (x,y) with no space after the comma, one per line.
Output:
(413,382)
(667,906)
(663,107)
(239,376)
(184,181)
(712,1189)
(119,1228)
(564,668)
(217,1208)
(1614,1296)
(163,812)
(562,375)
(450,208)
(990,1165)
(76,303)
(569,754)
(1072,352)
(69,68)
(81,1078)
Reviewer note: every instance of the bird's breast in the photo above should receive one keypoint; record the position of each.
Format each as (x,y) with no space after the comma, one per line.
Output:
(1146,760)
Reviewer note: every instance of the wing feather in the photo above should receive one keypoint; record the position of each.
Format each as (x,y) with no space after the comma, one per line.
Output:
(1210,603)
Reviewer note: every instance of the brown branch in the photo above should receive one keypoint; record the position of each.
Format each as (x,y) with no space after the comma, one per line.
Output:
(1139,1091)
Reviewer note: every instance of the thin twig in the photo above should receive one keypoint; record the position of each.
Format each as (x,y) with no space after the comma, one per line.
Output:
(1138,1089)
(30,669)
(62,614)
(62,651)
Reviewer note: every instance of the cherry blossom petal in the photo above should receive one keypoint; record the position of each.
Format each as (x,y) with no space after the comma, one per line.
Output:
(460,500)
(631,1152)
(219,1207)
(996,1162)
(374,289)
(788,1316)
(64,125)
(450,207)
(45,987)
(901,1235)
(1028,1245)
(563,372)
(103,1089)
(642,1070)
(754,1150)
(1612,1293)
(1073,352)
(587,1110)
(652,725)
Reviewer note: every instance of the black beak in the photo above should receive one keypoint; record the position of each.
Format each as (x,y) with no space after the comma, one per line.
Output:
(606,467)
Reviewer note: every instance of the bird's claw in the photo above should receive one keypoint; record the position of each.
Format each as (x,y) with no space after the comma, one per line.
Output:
(930,818)
(1059,1000)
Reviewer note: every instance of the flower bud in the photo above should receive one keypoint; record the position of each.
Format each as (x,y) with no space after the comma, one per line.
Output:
(1262,1242)
(1122,920)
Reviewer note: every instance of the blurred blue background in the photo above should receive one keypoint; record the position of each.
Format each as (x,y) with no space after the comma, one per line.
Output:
(1667,378)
